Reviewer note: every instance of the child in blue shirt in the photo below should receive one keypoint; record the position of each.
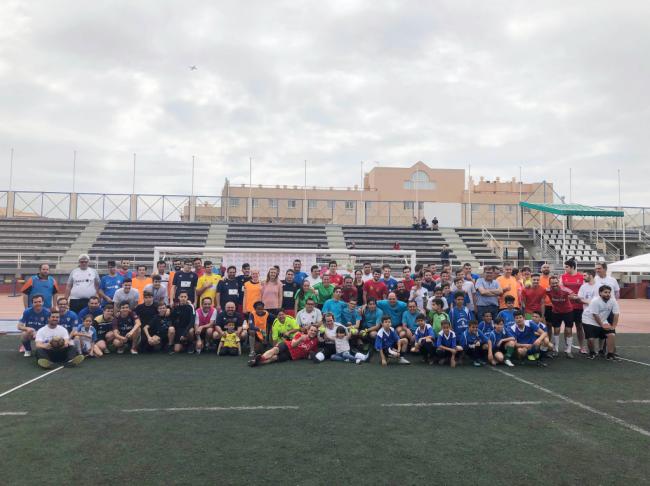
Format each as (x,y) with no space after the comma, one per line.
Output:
(508,314)
(501,345)
(425,340)
(460,315)
(446,347)
(389,344)
(474,343)
(85,336)
(486,326)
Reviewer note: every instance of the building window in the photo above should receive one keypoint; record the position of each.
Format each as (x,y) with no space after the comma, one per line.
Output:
(408,205)
(476,208)
(421,206)
(273,203)
(349,205)
(419,180)
(256,203)
(510,208)
(234,202)
(331,204)
(492,208)
(291,204)
(312,203)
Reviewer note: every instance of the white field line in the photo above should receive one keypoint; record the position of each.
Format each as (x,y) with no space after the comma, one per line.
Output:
(212,409)
(632,401)
(462,404)
(578,404)
(632,361)
(30,381)
(633,346)
(10,414)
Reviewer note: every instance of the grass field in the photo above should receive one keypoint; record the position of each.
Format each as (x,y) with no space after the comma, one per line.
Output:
(111,421)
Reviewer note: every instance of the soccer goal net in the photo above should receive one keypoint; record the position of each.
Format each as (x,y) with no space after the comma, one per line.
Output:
(348,260)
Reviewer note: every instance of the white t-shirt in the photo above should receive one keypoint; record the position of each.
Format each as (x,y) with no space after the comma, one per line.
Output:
(601,308)
(420,296)
(588,292)
(330,334)
(313,281)
(305,318)
(45,334)
(82,283)
(470,290)
(341,344)
(607,280)
(365,277)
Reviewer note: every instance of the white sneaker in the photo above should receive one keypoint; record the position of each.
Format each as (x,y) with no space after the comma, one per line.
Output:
(133,351)
(359,361)
(403,360)
(27,354)
(392,353)
(508,363)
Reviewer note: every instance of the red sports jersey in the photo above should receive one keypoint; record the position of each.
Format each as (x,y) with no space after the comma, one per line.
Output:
(375,290)
(408,284)
(304,348)
(336,279)
(533,297)
(560,300)
(573,283)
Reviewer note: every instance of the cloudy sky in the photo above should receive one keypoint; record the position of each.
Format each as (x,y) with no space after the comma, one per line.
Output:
(499,84)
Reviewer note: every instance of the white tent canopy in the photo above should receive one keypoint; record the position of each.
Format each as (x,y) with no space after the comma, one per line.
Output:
(637,264)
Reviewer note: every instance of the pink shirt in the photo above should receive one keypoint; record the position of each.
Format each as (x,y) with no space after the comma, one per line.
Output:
(271,294)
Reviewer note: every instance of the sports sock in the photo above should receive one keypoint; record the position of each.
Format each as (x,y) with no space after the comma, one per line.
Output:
(556,342)
(27,343)
(251,344)
(569,343)
(509,351)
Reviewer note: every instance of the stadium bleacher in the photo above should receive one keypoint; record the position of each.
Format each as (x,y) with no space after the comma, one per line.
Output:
(473,239)
(263,235)
(570,245)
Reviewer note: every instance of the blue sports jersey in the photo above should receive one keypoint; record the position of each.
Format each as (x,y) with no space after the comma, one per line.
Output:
(422,333)
(395,312)
(459,319)
(468,339)
(86,310)
(91,330)
(350,316)
(508,316)
(496,337)
(69,320)
(391,283)
(408,320)
(43,287)
(447,340)
(33,319)
(527,334)
(486,327)
(386,340)
(335,307)
(540,324)
(109,284)
(298,277)
(371,318)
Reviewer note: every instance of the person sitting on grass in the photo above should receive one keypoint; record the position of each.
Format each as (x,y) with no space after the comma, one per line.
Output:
(508,314)
(425,340)
(229,345)
(53,344)
(546,345)
(309,315)
(260,328)
(446,346)
(284,327)
(501,345)
(486,326)
(389,344)
(350,316)
(528,338)
(474,344)
(597,326)
(437,315)
(85,338)
(126,329)
(182,319)
(342,344)
(302,346)
(33,319)
(104,326)
(158,333)
(371,318)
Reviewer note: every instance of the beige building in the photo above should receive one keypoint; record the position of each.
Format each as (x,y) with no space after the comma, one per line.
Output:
(390,196)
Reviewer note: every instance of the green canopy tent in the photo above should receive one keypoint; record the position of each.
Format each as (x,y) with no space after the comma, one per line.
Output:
(568,210)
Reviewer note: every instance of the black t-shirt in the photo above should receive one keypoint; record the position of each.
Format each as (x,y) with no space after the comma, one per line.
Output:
(159,325)
(288,292)
(241,280)
(146,313)
(185,281)
(124,324)
(223,319)
(402,295)
(229,291)
(430,286)
(102,327)
(182,316)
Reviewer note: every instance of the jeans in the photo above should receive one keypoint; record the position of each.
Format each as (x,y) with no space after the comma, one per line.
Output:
(344,356)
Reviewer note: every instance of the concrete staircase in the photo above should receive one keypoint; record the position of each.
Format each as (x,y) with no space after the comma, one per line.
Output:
(335,238)
(82,244)
(458,247)
(217,235)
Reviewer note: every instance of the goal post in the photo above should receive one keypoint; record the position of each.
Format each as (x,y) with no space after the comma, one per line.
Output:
(263,258)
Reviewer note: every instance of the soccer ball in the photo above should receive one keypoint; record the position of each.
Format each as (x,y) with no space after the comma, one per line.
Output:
(57,342)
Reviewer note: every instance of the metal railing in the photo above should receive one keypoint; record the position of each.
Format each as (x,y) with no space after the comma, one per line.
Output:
(492,243)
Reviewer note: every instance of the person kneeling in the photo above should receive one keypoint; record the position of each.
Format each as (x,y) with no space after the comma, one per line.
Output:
(302,346)
(474,343)
(389,344)
(501,345)
(229,345)
(53,345)
(425,341)
(446,347)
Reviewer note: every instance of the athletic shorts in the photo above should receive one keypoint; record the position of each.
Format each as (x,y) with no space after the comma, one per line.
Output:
(577,316)
(181,332)
(597,332)
(566,317)
(548,314)
(284,354)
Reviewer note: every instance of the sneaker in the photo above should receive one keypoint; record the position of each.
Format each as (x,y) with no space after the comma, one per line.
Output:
(613,357)
(392,353)
(403,360)
(21,349)
(477,364)
(508,363)
(133,351)
(531,357)
(541,364)
(554,354)
(120,350)
(171,351)
(359,361)
(198,350)
(569,355)
(27,354)
(106,351)
(252,362)
(76,361)
(593,355)
(190,351)
(45,363)
(584,351)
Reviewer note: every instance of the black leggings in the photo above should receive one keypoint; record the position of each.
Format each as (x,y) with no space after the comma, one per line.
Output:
(427,348)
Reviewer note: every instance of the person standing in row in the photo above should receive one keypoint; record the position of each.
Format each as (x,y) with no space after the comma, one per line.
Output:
(83,283)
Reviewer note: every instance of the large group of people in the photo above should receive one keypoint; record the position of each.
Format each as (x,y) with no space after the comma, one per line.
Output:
(443,315)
